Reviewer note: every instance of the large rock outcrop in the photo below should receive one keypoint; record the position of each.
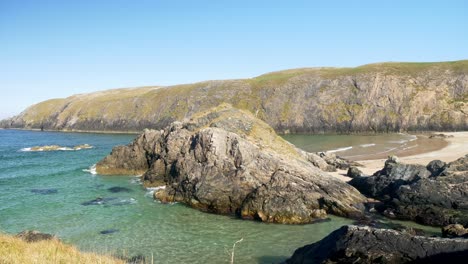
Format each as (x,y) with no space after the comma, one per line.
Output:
(226,161)
(363,245)
(435,195)
(371,98)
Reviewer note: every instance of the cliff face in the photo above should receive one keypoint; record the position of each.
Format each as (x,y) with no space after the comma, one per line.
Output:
(370,98)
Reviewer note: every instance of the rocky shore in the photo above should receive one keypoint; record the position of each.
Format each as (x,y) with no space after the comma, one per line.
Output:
(227,161)
(357,244)
(435,194)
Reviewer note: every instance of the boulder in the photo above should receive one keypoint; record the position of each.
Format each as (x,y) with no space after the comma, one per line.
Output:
(386,181)
(354,172)
(226,161)
(455,230)
(435,195)
(34,236)
(353,244)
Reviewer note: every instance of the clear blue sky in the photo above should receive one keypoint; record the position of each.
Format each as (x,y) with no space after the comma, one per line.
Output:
(51,49)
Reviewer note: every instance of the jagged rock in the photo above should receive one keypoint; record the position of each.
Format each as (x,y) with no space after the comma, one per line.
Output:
(131,159)
(226,161)
(433,195)
(34,236)
(387,181)
(337,162)
(436,167)
(354,172)
(319,162)
(363,245)
(455,230)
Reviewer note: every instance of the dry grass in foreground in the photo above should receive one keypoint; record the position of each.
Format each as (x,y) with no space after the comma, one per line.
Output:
(15,250)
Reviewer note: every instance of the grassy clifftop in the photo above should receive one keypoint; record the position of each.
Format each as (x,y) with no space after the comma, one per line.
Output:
(376,97)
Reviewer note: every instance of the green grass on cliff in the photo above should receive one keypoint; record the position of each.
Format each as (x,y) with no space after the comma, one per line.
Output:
(153,104)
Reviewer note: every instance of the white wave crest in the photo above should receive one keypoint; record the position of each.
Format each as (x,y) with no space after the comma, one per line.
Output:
(25,149)
(367,145)
(339,149)
(150,190)
(91,170)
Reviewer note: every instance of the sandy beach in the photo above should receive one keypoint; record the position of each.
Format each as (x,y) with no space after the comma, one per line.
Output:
(457,147)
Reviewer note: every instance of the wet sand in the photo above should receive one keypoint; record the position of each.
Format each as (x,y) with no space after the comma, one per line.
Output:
(426,150)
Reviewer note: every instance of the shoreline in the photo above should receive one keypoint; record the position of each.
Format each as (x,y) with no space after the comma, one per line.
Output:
(455,147)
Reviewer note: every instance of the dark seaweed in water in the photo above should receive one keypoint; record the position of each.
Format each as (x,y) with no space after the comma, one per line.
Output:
(44,191)
(99,201)
(108,201)
(117,189)
(108,231)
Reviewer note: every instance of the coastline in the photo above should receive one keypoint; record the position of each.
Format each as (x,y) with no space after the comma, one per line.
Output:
(77,131)
(455,147)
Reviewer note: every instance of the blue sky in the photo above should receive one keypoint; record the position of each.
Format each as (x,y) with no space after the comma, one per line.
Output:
(51,49)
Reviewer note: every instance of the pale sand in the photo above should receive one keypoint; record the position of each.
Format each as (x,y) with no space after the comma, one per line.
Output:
(457,147)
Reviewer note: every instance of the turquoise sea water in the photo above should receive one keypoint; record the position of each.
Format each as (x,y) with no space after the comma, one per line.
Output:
(45,191)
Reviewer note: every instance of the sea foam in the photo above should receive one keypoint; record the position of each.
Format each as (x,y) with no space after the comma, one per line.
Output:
(339,149)
(367,145)
(91,169)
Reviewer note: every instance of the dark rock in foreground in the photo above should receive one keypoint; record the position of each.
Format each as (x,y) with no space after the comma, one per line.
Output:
(435,195)
(34,236)
(227,161)
(353,244)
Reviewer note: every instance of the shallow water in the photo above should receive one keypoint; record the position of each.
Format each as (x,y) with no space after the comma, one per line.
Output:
(54,192)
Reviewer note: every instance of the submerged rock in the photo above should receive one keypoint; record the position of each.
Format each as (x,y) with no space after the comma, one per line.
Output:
(108,231)
(118,189)
(228,162)
(34,236)
(44,191)
(435,195)
(108,201)
(353,244)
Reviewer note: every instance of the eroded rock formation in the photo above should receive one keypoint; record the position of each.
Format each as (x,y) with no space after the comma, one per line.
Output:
(226,161)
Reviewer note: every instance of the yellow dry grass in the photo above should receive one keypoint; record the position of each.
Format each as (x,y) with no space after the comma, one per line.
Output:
(14,250)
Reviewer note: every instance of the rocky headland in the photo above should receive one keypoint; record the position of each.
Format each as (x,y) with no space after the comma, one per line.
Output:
(381,97)
(226,161)
(356,244)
